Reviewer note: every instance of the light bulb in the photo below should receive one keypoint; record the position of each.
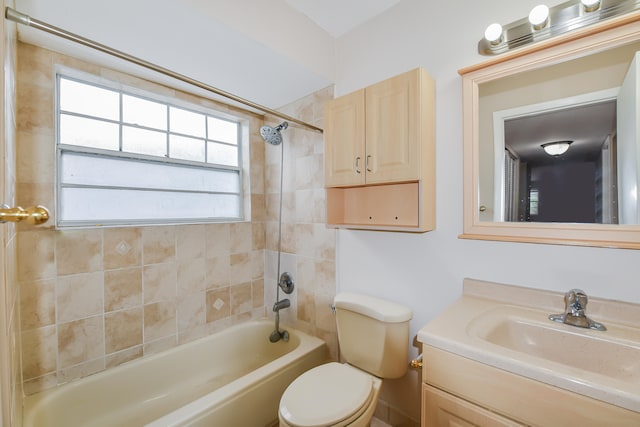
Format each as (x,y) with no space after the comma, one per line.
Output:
(539,16)
(591,5)
(493,33)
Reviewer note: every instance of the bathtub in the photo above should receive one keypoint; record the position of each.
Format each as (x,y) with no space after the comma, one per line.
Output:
(232,378)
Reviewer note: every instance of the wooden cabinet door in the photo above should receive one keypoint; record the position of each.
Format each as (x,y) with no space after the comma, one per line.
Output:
(392,129)
(440,409)
(345,140)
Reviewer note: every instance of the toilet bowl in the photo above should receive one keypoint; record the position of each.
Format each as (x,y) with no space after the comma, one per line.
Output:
(373,335)
(333,394)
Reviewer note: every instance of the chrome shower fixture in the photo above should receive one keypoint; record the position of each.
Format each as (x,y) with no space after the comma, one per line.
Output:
(272,135)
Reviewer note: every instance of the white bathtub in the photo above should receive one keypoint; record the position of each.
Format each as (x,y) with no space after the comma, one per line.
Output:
(232,378)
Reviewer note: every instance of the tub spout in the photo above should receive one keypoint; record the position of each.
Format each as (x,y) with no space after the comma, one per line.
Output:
(279,305)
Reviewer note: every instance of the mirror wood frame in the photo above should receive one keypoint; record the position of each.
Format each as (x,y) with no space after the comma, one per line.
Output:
(599,37)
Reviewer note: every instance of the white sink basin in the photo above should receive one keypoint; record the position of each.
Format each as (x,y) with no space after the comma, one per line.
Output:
(609,353)
(508,328)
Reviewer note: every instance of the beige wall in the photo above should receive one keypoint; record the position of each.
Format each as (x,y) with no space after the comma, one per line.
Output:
(10,380)
(94,298)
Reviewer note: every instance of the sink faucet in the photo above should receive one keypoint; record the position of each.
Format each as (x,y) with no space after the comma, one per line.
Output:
(575,306)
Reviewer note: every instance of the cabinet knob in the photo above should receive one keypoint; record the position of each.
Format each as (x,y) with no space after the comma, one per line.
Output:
(358,164)
(367,163)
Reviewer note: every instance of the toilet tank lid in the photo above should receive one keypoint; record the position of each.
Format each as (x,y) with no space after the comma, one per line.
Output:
(376,308)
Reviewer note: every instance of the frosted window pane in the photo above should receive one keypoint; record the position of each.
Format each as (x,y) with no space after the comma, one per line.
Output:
(186,148)
(88,132)
(222,130)
(186,122)
(142,112)
(97,205)
(144,141)
(87,169)
(89,100)
(222,154)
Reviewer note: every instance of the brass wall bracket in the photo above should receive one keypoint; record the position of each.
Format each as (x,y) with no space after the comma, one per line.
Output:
(35,215)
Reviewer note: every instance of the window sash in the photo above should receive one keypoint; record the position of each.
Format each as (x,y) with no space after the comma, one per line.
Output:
(150,187)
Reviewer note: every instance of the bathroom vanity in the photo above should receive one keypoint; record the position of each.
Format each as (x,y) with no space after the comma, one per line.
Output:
(493,358)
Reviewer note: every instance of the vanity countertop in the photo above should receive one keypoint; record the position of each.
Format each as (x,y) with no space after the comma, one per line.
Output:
(507,327)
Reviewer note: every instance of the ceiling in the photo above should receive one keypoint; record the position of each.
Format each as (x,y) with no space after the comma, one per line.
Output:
(587,126)
(338,17)
(270,52)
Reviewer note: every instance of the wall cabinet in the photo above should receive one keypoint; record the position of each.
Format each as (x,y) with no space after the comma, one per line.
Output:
(462,392)
(380,155)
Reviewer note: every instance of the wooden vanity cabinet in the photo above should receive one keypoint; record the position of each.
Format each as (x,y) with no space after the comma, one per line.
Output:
(457,391)
(380,153)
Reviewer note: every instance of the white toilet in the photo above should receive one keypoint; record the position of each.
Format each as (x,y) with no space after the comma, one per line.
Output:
(374,342)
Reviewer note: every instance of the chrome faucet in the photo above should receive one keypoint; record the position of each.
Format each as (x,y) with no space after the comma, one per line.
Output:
(283,303)
(575,306)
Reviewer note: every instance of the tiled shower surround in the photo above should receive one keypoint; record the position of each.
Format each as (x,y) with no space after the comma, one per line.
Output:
(93,298)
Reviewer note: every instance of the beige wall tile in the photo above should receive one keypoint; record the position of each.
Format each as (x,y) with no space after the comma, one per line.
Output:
(79,251)
(159,244)
(123,329)
(240,298)
(191,276)
(79,296)
(217,240)
(34,116)
(36,254)
(81,370)
(120,357)
(190,241)
(191,311)
(241,268)
(306,306)
(218,304)
(38,304)
(257,264)
(159,320)
(160,282)
(218,272)
(241,237)
(258,238)
(122,288)
(35,155)
(160,344)
(122,247)
(39,350)
(257,293)
(34,65)
(80,341)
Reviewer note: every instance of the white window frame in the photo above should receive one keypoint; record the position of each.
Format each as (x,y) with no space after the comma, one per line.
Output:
(241,168)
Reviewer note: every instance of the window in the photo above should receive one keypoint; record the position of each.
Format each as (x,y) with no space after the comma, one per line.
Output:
(126,158)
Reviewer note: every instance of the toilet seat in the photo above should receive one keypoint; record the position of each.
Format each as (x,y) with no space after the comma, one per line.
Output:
(332,394)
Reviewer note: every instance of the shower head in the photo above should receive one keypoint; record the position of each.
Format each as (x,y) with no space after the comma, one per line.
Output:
(272,135)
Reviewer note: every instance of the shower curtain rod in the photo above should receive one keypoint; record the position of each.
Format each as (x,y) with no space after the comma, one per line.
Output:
(21,18)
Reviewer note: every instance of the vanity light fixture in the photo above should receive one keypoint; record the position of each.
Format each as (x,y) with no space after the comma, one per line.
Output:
(556,148)
(539,16)
(590,5)
(493,33)
(544,22)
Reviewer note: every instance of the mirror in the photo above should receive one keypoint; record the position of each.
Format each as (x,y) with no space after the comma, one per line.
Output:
(578,90)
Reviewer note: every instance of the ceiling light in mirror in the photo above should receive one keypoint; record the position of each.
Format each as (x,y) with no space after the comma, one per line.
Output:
(591,5)
(557,148)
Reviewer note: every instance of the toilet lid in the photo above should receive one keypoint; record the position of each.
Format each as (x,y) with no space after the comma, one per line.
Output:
(325,395)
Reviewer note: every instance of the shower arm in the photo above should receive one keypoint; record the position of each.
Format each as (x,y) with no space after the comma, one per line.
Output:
(21,18)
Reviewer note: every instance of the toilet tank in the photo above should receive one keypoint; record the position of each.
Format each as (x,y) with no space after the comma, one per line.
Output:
(373,334)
